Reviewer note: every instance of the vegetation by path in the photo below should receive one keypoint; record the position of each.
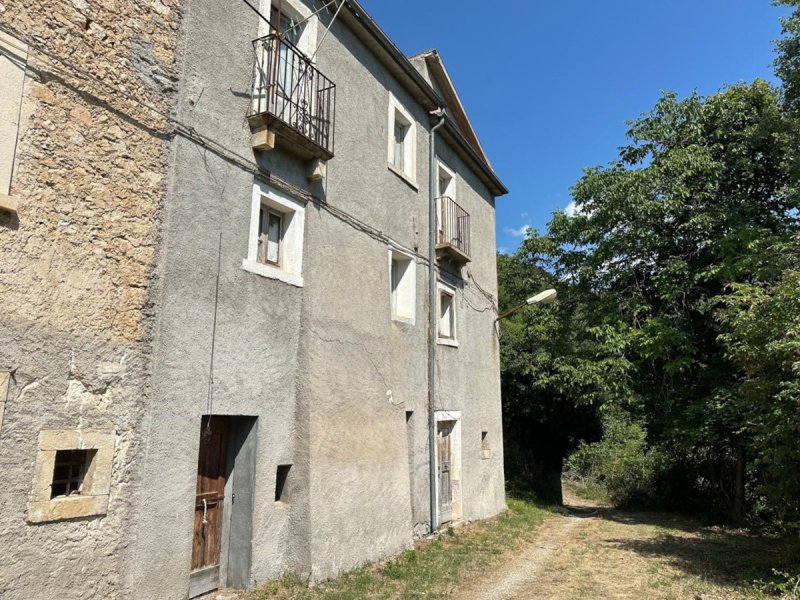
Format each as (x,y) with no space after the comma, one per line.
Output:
(588,551)
(434,569)
(608,553)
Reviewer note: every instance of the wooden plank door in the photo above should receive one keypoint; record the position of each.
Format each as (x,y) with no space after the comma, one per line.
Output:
(209,502)
(444,467)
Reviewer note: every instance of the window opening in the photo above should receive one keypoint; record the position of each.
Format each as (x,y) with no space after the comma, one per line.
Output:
(269,236)
(400,132)
(69,471)
(446,316)
(281,475)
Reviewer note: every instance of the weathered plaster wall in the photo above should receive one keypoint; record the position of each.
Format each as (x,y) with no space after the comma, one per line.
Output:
(362,371)
(258,323)
(75,270)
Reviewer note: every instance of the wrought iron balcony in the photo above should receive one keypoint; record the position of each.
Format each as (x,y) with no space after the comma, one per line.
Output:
(452,240)
(292,99)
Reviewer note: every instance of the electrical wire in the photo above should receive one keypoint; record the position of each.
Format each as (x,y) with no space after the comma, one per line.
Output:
(247,165)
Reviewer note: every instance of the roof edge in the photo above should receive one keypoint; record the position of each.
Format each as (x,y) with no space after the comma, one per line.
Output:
(436,101)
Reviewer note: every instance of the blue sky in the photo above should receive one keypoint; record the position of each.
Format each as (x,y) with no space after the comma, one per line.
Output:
(549,85)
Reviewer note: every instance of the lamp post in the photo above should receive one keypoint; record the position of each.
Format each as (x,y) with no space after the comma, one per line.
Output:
(545,297)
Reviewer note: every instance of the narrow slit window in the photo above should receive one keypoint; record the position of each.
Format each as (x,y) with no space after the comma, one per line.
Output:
(69,471)
(484,440)
(281,476)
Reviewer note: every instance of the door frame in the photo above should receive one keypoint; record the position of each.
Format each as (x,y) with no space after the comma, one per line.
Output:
(456,479)
(237,516)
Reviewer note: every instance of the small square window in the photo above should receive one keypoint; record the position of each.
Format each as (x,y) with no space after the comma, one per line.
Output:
(275,247)
(72,475)
(69,471)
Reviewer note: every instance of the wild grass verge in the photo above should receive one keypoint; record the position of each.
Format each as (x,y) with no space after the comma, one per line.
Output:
(432,568)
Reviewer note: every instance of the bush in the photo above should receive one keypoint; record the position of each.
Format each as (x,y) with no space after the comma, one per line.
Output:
(621,462)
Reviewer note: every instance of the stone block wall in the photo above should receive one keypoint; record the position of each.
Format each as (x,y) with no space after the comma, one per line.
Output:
(77,274)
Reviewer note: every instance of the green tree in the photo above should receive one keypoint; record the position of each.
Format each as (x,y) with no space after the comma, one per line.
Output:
(557,368)
(762,336)
(696,201)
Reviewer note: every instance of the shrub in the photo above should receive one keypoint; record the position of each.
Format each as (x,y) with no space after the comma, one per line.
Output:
(621,462)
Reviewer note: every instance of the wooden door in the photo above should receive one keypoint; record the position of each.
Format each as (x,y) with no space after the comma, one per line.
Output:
(210,493)
(444,467)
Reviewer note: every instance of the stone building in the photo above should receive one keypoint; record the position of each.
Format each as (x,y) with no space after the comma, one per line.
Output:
(214,274)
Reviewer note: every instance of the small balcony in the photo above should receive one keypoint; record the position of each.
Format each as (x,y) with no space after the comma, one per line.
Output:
(293,103)
(452,233)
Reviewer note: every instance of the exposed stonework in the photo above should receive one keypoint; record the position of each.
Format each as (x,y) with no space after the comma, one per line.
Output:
(90,163)
(77,265)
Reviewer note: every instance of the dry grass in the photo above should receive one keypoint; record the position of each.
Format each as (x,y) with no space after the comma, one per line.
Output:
(433,569)
(594,551)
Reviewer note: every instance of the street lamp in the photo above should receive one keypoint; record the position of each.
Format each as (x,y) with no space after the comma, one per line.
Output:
(545,297)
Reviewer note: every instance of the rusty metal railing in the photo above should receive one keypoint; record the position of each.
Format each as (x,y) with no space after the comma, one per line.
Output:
(453,225)
(287,86)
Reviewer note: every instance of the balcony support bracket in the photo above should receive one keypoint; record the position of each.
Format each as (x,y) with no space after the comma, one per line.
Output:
(263,139)
(317,170)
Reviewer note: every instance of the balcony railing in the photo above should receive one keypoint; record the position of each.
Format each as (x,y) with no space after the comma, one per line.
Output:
(292,97)
(452,230)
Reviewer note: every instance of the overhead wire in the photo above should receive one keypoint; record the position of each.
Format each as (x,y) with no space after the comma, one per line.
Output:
(188,132)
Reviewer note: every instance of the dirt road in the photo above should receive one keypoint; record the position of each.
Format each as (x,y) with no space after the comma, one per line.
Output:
(597,552)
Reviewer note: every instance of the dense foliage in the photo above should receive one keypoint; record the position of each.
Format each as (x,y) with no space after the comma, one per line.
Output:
(679,311)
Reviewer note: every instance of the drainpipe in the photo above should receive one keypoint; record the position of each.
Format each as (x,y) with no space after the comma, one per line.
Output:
(432,226)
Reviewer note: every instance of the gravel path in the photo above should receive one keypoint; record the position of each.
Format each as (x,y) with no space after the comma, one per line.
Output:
(596,552)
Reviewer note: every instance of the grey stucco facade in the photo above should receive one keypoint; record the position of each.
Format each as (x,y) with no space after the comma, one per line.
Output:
(316,375)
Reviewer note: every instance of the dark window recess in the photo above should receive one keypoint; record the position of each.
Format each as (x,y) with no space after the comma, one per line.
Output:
(69,471)
(484,440)
(409,414)
(281,476)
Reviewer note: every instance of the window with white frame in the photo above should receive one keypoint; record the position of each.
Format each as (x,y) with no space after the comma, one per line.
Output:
(277,224)
(402,142)
(446,181)
(297,24)
(403,286)
(447,316)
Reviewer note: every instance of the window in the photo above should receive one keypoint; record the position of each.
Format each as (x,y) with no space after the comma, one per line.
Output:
(277,226)
(447,316)
(446,180)
(403,286)
(281,475)
(270,232)
(446,188)
(72,475)
(486,451)
(402,142)
(400,134)
(291,31)
(69,471)
(297,24)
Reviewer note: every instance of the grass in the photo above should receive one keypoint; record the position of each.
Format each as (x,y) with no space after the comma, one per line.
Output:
(588,490)
(430,570)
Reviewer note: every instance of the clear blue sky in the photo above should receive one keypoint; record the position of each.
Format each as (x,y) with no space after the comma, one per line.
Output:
(549,85)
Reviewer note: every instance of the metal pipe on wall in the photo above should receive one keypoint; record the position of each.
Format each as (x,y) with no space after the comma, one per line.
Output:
(432,227)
